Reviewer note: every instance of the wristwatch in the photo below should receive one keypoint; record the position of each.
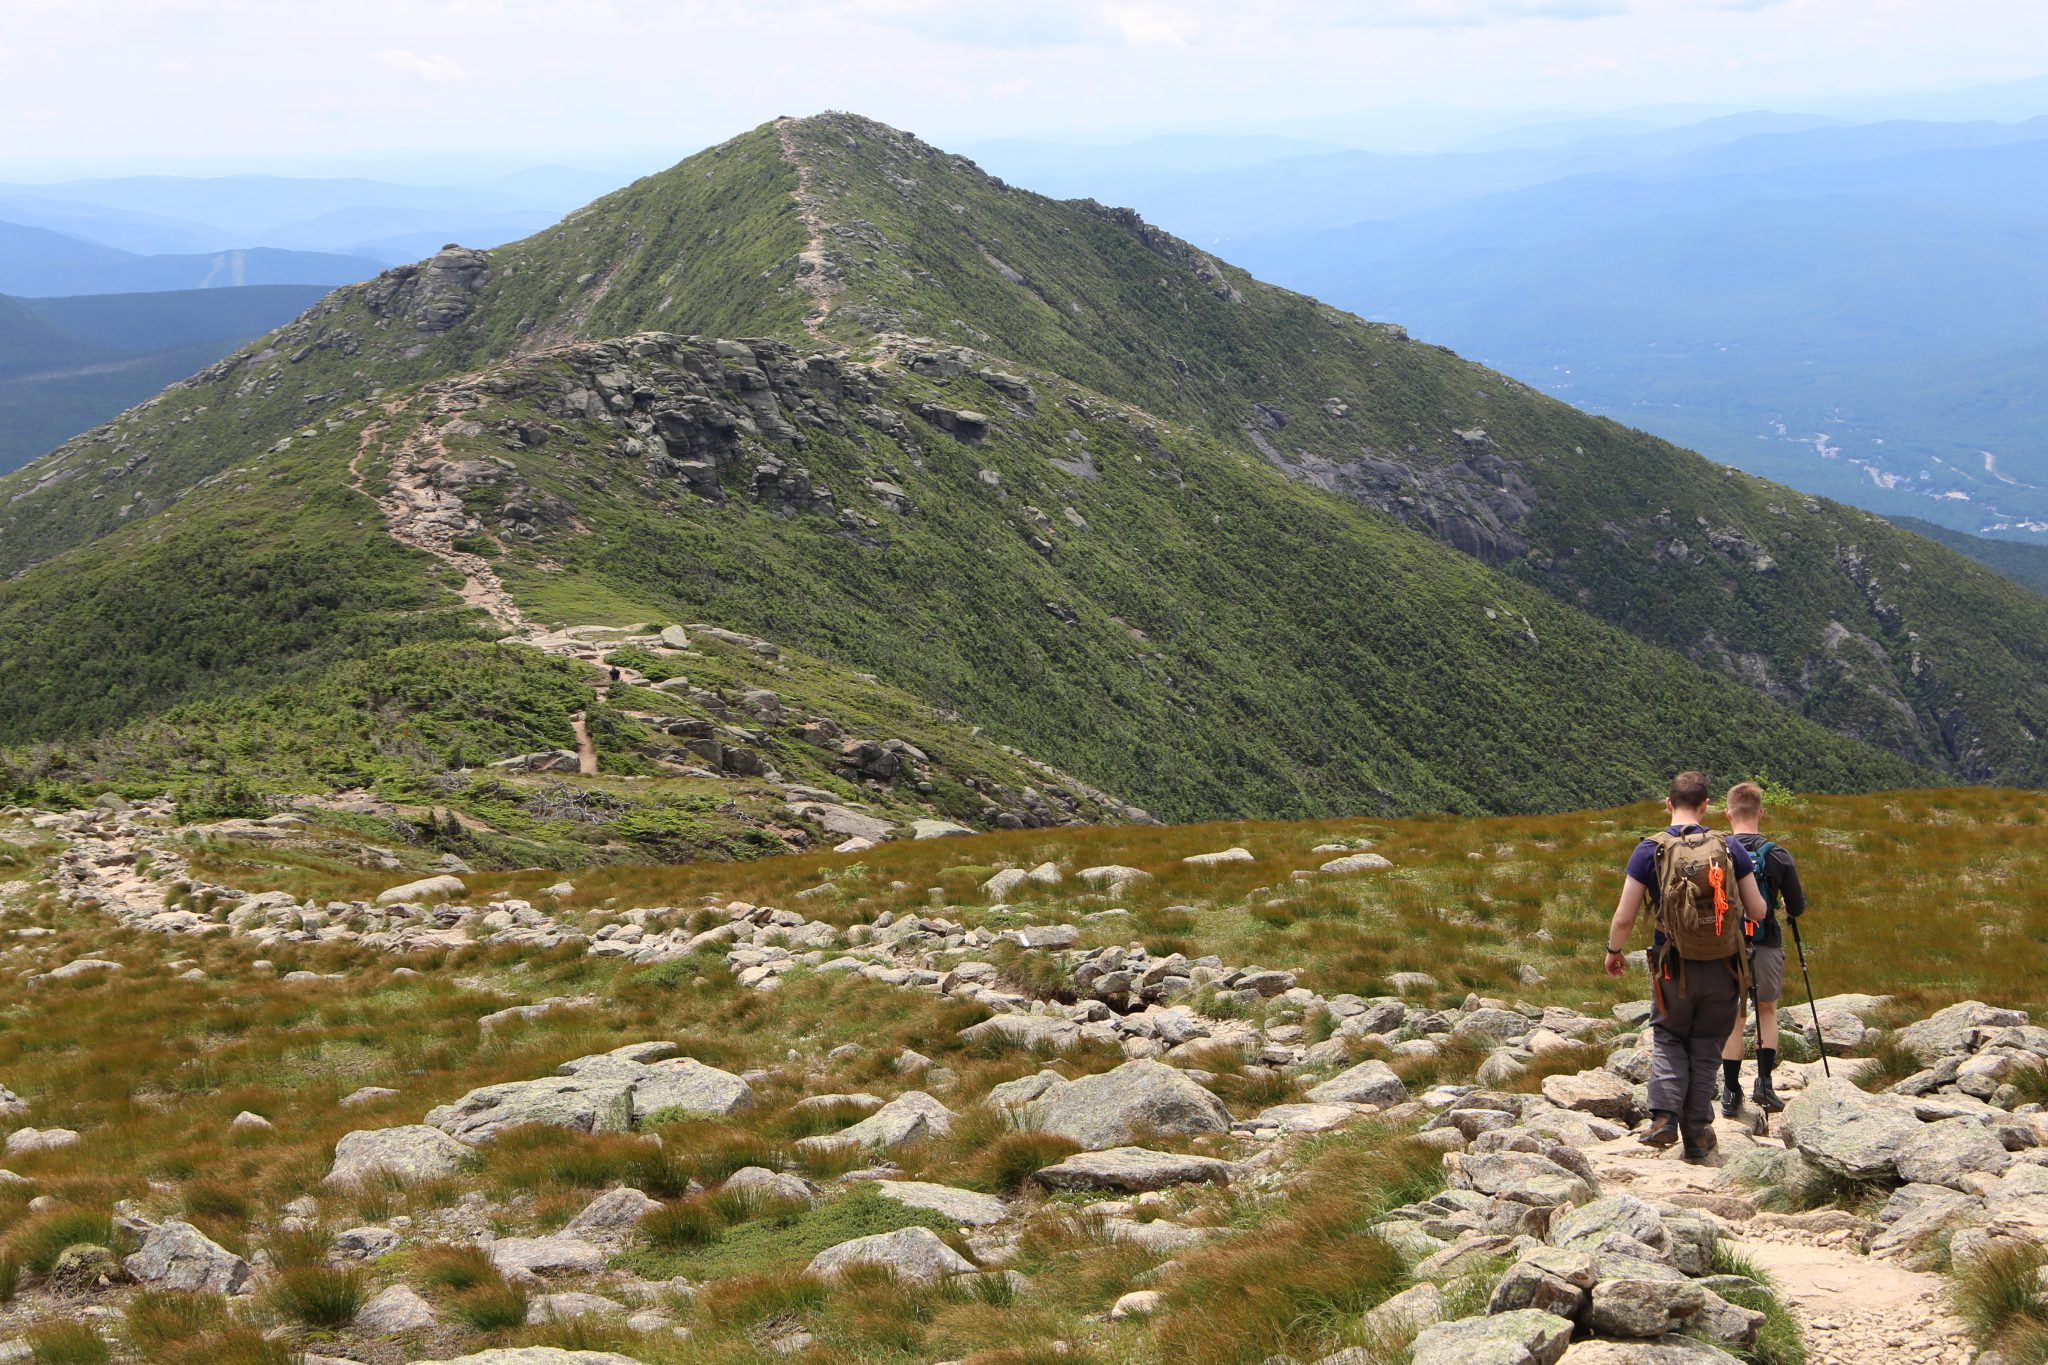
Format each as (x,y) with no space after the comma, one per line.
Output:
(1617,952)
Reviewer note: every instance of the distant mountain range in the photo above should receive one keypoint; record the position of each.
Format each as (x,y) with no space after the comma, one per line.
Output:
(1855,309)
(70,363)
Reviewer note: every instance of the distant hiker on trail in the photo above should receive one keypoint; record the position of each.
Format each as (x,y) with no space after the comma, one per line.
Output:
(616,675)
(1701,887)
(1778,877)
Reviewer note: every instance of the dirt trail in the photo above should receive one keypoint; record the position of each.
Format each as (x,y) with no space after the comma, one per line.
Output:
(1854,1309)
(418,514)
(814,269)
(586,748)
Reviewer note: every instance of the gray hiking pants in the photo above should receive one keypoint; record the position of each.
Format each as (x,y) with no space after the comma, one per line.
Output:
(1686,1034)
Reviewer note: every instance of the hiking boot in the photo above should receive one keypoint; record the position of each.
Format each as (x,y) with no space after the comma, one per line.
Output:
(1766,1098)
(1731,1100)
(1701,1144)
(1662,1132)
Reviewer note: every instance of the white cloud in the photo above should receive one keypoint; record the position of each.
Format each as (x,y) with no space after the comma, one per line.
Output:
(1003,90)
(437,69)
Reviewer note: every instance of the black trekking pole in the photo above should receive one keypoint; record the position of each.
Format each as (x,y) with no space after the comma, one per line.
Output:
(1819,1041)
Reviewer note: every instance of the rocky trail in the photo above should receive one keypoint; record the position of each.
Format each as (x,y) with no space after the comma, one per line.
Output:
(1610,1240)
(816,275)
(427,518)
(1852,1307)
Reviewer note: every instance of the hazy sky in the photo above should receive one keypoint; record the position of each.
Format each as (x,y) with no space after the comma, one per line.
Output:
(178,82)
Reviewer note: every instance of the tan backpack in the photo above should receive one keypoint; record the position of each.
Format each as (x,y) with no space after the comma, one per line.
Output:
(1699,909)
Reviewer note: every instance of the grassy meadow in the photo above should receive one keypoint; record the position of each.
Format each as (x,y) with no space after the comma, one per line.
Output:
(1929,896)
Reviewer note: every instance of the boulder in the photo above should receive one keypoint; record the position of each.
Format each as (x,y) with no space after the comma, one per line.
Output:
(1408,1312)
(1355,862)
(1370,1082)
(1134,1170)
(1228,855)
(1618,1222)
(543,1309)
(1139,1303)
(394,1310)
(1950,1153)
(1112,875)
(12,1106)
(1522,1337)
(965,1207)
(535,1355)
(999,887)
(179,1256)
(412,1152)
(613,1211)
(1841,1129)
(1728,1323)
(24,1140)
(1600,1093)
(1949,1031)
(521,1258)
(426,891)
(908,1117)
(937,829)
(599,1094)
(1309,1118)
(914,1255)
(1668,1351)
(1023,1090)
(1112,1108)
(1642,1308)
(1043,1031)
(1527,1284)
(759,1185)
(1522,1177)
(363,1243)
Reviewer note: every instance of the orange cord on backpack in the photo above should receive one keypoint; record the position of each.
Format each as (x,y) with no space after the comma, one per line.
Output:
(1718,880)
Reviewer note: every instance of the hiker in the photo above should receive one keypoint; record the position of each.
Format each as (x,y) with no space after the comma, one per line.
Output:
(1698,971)
(616,675)
(1778,877)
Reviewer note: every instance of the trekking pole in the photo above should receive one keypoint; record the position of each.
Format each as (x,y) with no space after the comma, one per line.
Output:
(1819,1041)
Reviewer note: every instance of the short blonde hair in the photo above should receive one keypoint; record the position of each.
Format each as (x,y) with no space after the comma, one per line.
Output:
(1745,801)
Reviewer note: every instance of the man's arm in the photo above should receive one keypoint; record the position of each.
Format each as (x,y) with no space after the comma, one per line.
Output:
(1786,878)
(1752,899)
(1623,923)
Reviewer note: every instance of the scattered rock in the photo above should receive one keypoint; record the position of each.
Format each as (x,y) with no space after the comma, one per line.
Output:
(393,1310)
(1522,1337)
(966,1207)
(412,1152)
(915,1255)
(1369,1082)
(1112,1108)
(179,1256)
(1135,1170)
(426,891)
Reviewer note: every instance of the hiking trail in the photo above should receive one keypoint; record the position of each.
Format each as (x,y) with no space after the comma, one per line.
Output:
(814,274)
(1852,1308)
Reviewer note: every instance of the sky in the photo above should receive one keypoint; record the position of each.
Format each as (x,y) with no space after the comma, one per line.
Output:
(118,86)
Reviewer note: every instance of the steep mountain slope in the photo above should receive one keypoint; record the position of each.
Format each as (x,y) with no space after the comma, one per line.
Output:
(1112,512)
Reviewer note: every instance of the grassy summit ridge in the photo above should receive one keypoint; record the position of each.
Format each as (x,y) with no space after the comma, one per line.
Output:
(1124,530)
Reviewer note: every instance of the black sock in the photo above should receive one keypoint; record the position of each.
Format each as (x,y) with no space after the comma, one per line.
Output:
(1731,1072)
(1766,1059)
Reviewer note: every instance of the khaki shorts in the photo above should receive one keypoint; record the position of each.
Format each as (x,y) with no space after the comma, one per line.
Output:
(1767,969)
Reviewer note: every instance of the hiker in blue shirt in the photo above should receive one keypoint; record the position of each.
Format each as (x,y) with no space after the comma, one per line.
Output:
(1694,993)
(1778,875)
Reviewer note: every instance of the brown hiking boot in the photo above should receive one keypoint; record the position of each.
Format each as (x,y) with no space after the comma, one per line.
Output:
(1663,1130)
(1700,1145)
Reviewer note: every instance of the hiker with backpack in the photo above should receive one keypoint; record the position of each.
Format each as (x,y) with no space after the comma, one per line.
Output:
(1778,878)
(1701,887)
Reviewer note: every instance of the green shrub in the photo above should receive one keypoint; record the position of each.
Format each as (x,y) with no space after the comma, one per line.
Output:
(221,798)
